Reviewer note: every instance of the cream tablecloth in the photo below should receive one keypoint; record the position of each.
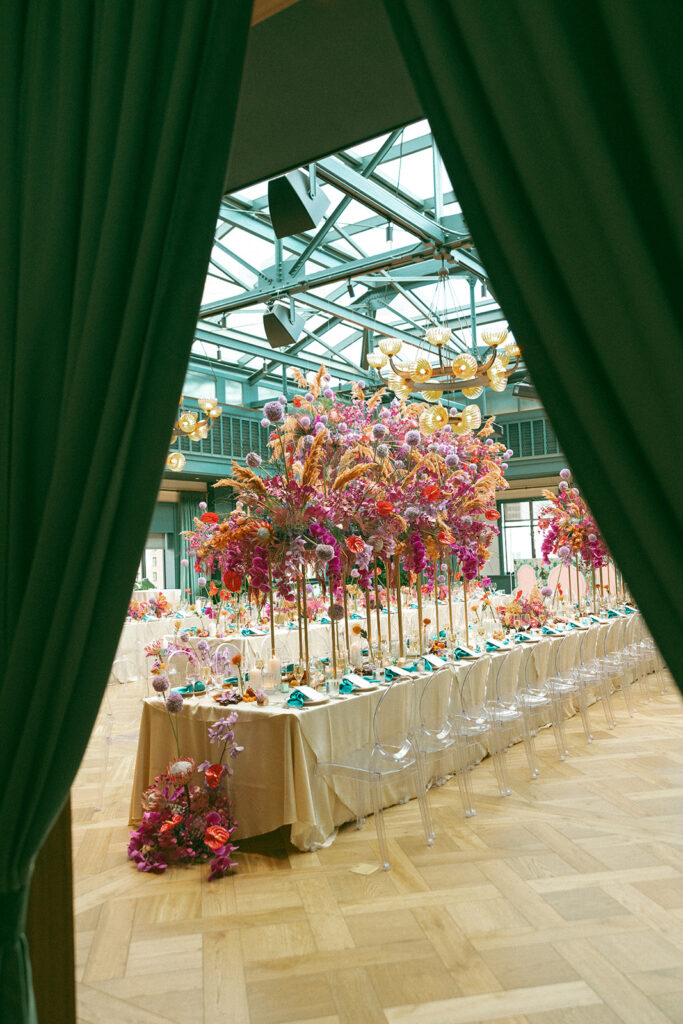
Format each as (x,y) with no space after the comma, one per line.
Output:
(274,782)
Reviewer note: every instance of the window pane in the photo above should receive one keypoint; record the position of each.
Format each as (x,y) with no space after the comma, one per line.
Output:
(199,385)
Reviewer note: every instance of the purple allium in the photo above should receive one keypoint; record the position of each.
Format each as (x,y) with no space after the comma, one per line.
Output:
(453,412)
(309,397)
(323,419)
(253,460)
(378,431)
(489,440)
(265,423)
(202,645)
(592,538)
(201,581)
(343,428)
(184,562)
(203,506)
(508,453)
(326,378)
(337,612)
(282,400)
(384,414)
(412,438)
(354,573)
(305,422)
(160,684)
(174,702)
(325,552)
(565,474)
(563,485)
(307,441)
(382,451)
(503,465)
(564,553)
(319,427)
(546,592)
(273,412)
(440,579)
(328,393)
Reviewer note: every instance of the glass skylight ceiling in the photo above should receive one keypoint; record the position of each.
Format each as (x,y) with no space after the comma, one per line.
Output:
(408,215)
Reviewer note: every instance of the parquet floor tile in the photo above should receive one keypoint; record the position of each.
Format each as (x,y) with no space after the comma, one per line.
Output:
(561,904)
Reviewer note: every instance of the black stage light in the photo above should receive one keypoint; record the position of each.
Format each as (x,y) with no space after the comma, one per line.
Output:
(525,389)
(291,206)
(281,328)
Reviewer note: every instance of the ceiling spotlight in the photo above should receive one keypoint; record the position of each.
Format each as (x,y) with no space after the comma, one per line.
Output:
(349,288)
(526,390)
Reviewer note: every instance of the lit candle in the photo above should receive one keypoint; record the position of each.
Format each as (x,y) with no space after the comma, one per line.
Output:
(356,653)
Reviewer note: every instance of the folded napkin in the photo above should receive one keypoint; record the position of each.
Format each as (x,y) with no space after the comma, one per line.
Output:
(594,618)
(573,625)
(355,615)
(463,652)
(291,625)
(413,604)
(442,634)
(395,672)
(491,645)
(628,610)
(252,632)
(611,614)
(296,699)
(147,618)
(432,661)
(521,637)
(179,615)
(325,620)
(230,680)
(346,686)
(191,688)
(548,631)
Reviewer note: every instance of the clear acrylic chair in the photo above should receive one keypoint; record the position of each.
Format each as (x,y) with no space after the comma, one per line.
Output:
(506,708)
(541,704)
(437,736)
(563,683)
(473,723)
(393,755)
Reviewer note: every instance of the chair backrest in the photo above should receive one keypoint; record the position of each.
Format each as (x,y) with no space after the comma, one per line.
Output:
(473,689)
(567,653)
(613,638)
(538,663)
(178,668)
(505,674)
(587,646)
(393,721)
(436,702)
(221,657)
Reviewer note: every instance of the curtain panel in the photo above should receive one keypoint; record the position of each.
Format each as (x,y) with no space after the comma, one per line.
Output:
(559,124)
(115,127)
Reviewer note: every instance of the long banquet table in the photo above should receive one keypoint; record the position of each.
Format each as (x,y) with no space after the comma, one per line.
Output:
(274,782)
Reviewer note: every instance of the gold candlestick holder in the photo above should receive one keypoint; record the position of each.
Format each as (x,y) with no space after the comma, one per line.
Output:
(419,613)
(377,618)
(399,609)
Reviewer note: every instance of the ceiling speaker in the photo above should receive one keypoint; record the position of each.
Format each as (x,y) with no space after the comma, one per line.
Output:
(291,206)
(280,329)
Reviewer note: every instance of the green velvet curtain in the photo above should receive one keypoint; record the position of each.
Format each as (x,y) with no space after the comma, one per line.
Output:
(560,125)
(115,127)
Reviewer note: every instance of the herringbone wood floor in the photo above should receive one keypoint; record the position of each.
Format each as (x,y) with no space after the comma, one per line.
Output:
(562,904)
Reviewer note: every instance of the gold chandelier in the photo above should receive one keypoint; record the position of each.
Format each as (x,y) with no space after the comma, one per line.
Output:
(190,425)
(464,374)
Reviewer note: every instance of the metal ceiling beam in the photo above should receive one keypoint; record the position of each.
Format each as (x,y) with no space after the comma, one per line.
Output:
(379,198)
(214,336)
(354,316)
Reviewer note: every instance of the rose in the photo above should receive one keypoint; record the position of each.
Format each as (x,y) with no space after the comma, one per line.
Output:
(232,580)
(355,544)
(216,837)
(214,774)
(209,517)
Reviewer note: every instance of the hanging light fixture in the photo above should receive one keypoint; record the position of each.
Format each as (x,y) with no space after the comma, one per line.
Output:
(465,374)
(191,426)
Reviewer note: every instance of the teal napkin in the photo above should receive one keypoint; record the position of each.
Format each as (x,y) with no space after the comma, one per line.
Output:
(492,646)
(612,614)
(325,661)
(429,667)
(573,625)
(252,632)
(390,674)
(188,690)
(628,610)
(325,620)
(413,605)
(346,686)
(547,631)
(594,618)
(179,615)
(460,652)
(521,637)
(296,699)
(355,615)
(442,634)
(230,680)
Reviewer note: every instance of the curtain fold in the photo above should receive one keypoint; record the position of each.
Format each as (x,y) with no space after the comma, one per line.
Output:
(189,510)
(115,126)
(559,124)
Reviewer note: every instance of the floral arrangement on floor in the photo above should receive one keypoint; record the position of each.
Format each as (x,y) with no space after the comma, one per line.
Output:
(182,822)
(355,485)
(570,531)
